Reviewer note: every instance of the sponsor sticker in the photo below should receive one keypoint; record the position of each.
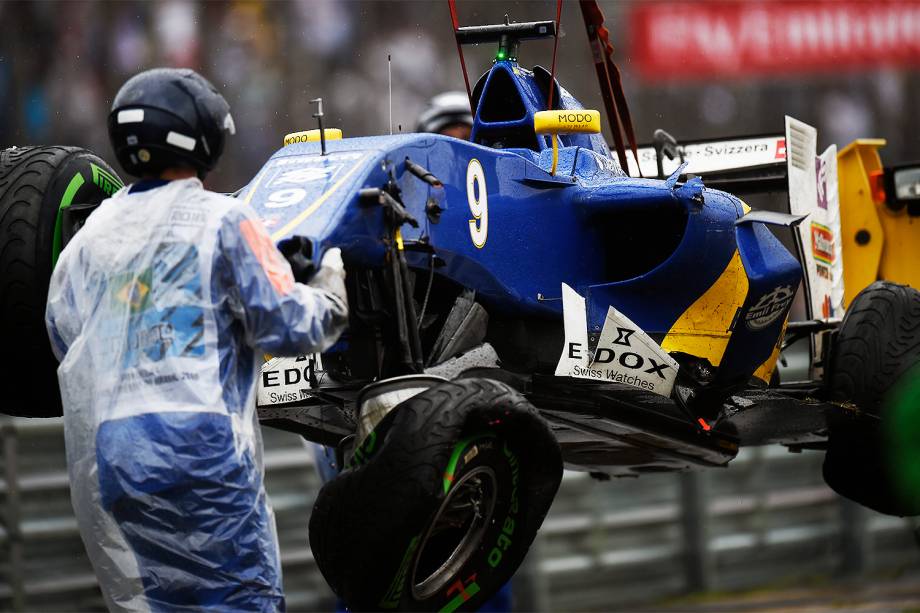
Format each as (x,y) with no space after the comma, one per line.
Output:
(624,354)
(780,149)
(715,156)
(822,243)
(770,307)
(304,174)
(284,380)
(187,217)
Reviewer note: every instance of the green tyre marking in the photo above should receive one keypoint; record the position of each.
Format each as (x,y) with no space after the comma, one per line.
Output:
(902,433)
(504,539)
(364,452)
(471,590)
(455,457)
(72,188)
(394,593)
(105,180)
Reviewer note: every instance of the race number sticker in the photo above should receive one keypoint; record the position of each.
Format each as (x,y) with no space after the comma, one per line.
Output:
(625,354)
(478,200)
(284,380)
(283,198)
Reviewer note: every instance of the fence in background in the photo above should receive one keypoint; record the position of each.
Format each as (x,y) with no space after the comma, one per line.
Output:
(767,519)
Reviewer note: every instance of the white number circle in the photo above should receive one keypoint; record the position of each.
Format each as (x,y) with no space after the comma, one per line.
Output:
(477,196)
(282,198)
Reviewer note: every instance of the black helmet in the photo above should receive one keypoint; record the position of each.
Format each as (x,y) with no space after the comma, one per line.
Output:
(443,110)
(168,117)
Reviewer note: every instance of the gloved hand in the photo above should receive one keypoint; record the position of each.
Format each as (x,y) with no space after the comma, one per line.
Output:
(331,275)
(296,250)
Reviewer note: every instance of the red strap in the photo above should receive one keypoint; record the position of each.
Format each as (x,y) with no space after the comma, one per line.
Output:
(456,24)
(619,95)
(610,82)
(552,73)
(613,116)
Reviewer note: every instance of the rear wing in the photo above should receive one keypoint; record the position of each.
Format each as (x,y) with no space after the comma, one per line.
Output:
(786,165)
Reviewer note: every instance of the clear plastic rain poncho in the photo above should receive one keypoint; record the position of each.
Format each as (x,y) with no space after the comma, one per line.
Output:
(159,310)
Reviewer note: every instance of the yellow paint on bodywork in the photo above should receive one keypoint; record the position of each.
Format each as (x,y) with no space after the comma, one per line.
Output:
(312,136)
(858,212)
(899,252)
(575,121)
(703,330)
(891,252)
(765,371)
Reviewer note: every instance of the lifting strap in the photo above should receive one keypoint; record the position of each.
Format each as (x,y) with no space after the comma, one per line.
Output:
(456,22)
(608,76)
(552,73)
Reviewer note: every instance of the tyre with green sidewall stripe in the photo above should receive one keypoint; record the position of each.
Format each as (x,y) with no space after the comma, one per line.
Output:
(390,533)
(37,184)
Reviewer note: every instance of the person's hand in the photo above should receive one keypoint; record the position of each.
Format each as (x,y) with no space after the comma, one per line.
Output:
(332,259)
(295,250)
(331,274)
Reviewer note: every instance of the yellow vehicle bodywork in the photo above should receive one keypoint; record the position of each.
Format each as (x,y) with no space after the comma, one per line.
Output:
(877,241)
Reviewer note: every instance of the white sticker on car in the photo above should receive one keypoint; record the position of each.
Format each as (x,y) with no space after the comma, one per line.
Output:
(284,380)
(714,156)
(478,198)
(624,354)
(575,350)
(283,198)
(305,174)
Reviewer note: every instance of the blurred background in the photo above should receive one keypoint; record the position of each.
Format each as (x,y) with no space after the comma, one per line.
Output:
(698,70)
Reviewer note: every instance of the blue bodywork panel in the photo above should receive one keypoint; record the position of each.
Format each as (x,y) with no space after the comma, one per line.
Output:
(648,247)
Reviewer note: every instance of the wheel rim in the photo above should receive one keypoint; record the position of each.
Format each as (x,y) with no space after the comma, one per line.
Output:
(455,532)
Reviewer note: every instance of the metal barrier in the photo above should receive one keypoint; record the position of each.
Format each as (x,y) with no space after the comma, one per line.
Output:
(766,518)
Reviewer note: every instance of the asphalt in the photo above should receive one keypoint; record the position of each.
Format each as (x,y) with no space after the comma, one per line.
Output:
(894,594)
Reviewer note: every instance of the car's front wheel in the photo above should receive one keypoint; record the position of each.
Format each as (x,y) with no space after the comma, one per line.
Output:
(442,502)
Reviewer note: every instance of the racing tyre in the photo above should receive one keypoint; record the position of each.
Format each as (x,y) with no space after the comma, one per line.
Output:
(38,188)
(441,502)
(878,343)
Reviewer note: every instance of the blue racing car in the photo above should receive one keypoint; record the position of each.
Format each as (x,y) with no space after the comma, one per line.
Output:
(519,303)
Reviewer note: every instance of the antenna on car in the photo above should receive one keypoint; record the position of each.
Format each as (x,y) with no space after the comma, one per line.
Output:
(390,88)
(319,120)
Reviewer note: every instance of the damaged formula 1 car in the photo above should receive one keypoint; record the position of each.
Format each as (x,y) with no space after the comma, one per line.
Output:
(518,303)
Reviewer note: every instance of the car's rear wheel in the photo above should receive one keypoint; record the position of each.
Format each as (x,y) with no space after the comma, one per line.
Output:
(452,487)
(38,187)
(874,352)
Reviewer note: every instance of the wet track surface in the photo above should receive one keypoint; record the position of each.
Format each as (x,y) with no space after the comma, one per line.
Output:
(889,593)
